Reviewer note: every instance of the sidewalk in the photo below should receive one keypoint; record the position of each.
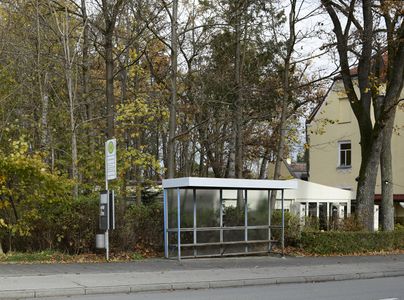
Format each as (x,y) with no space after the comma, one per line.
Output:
(37,281)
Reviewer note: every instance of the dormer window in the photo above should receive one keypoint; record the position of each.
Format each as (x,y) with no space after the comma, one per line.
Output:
(344,154)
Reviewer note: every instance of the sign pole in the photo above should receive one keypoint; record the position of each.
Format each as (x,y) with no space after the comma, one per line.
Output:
(110,173)
(106,236)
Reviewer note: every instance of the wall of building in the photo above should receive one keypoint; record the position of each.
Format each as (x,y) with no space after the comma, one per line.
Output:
(335,122)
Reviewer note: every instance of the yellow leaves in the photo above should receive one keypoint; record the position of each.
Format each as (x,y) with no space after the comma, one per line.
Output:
(138,157)
(133,54)
(26,182)
(3,179)
(2,223)
(19,147)
(4,204)
(165,114)
(136,115)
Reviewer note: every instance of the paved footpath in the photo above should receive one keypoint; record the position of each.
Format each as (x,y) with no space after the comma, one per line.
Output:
(43,280)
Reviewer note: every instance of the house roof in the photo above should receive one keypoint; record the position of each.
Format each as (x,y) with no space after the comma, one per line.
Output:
(317,108)
(354,72)
(383,66)
(297,169)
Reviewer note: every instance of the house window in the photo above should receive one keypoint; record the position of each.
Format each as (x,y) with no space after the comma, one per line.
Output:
(345,154)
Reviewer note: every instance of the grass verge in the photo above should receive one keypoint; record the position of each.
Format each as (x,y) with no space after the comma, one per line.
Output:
(50,257)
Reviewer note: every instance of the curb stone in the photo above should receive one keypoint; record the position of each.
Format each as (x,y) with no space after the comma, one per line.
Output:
(17,294)
(24,294)
(151,287)
(58,292)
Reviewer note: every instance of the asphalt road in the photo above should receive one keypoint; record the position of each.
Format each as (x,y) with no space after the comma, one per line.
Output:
(369,289)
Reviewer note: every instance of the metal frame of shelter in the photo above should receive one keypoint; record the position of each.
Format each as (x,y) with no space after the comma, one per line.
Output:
(220,184)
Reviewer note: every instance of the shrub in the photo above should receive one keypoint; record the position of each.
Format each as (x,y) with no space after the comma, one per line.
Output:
(142,228)
(342,242)
(311,224)
(30,194)
(292,227)
(399,226)
(351,223)
(69,227)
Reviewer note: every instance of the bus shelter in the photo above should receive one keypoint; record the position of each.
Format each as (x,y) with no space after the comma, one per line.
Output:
(207,217)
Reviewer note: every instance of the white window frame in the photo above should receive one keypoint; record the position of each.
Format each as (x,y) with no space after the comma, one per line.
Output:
(340,165)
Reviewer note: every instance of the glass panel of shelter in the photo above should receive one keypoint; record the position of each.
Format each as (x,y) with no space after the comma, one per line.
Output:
(218,222)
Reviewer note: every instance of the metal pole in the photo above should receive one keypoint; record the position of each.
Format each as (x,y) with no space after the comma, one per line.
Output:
(269,221)
(306,213)
(245,221)
(194,224)
(165,223)
(178,224)
(106,235)
(221,220)
(328,215)
(283,226)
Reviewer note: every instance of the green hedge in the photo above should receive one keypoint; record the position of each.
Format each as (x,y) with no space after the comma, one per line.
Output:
(343,242)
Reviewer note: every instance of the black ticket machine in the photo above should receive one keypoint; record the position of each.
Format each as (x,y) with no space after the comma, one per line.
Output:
(107,210)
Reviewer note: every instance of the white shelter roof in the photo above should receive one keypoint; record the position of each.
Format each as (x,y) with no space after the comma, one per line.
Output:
(310,191)
(229,183)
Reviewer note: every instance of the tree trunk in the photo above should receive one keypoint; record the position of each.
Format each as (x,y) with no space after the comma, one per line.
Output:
(231,163)
(173,101)
(43,87)
(70,92)
(234,163)
(264,164)
(282,130)
(367,182)
(109,78)
(285,99)
(386,167)
(238,106)
(86,78)
(44,117)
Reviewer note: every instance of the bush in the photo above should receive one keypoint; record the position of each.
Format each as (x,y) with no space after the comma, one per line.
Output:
(292,227)
(142,228)
(342,242)
(69,227)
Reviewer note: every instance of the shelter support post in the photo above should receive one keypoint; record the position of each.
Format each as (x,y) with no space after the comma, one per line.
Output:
(269,221)
(165,208)
(283,225)
(179,224)
(306,213)
(194,223)
(221,221)
(328,215)
(245,221)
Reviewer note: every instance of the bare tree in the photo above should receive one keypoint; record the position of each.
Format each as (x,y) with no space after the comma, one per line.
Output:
(356,27)
(70,55)
(172,125)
